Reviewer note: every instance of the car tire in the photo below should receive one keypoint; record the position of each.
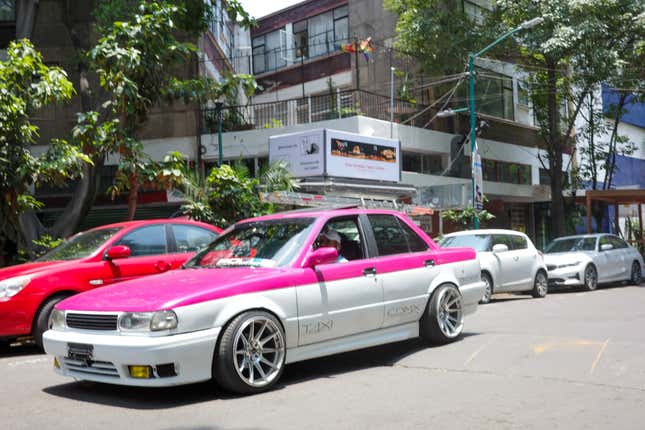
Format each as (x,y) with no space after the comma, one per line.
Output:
(636,277)
(590,279)
(443,320)
(540,285)
(250,355)
(488,291)
(41,322)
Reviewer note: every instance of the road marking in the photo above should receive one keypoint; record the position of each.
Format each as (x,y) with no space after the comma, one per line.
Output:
(30,361)
(595,362)
(478,350)
(553,344)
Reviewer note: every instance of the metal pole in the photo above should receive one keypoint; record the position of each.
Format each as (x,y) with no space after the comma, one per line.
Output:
(218,107)
(473,133)
(391,102)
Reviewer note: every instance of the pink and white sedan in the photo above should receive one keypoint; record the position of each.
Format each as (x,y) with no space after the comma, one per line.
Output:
(269,291)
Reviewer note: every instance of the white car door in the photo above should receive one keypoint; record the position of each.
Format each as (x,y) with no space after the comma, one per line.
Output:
(525,259)
(506,262)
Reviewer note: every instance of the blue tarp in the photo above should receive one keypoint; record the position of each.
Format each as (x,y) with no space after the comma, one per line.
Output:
(634,112)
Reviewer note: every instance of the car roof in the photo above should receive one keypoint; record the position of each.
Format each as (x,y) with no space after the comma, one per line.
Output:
(580,236)
(138,223)
(485,231)
(317,213)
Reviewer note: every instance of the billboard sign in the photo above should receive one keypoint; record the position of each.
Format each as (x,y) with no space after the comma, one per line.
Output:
(339,154)
(352,155)
(303,152)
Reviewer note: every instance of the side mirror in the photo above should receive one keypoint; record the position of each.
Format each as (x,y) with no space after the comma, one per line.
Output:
(500,247)
(324,255)
(117,252)
(606,247)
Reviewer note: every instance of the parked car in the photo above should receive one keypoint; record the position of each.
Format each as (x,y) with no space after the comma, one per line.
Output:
(94,258)
(509,261)
(589,260)
(267,293)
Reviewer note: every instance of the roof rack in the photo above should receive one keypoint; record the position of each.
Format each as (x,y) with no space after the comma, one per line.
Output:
(341,202)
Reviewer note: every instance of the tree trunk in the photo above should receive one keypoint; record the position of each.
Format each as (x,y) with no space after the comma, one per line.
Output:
(555,154)
(132,197)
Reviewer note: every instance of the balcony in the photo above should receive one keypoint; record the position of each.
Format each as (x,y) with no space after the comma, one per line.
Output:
(334,105)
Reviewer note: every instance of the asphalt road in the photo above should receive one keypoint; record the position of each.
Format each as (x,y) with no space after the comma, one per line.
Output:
(571,361)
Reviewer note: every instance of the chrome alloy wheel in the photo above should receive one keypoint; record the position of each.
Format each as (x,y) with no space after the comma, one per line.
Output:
(636,273)
(449,313)
(591,278)
(541,284)
(259,350)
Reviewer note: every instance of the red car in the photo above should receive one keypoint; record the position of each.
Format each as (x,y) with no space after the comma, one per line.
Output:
(94,258)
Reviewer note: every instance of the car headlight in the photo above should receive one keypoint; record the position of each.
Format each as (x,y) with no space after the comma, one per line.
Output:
(57,320)
(560,266)
(148,321)
(12,286)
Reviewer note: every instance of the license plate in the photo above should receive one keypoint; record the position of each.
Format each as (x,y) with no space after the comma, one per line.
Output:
(80,351)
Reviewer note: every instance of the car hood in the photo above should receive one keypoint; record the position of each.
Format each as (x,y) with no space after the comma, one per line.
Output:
(34,268)
(557,258)
(178,288)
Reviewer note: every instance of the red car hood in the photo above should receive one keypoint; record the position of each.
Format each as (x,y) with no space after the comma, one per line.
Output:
(177,288)
(34,268)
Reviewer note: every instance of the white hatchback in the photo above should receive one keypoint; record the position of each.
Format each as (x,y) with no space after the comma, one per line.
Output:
(509,261)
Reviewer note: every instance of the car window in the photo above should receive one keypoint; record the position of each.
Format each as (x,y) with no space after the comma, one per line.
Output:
(190,238)
(80,245)
(571,245)
(617,242)
(351,241)
(502,239)
(519,242)
(604,240)
(479,242)
(415,242)
(390,236)
(150,240)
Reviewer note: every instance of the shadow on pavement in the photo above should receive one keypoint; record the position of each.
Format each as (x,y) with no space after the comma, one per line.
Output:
(172,397)
(19,350)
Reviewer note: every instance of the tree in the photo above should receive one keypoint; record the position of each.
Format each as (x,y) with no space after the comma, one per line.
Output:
(26,86)
(579,45)
(135,66)
(229,193)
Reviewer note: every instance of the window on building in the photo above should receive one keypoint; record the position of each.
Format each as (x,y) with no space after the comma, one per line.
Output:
(494,94)
(422,163)
(341,26)
(545,177)
(477,10)
(301,39)
(523,97)
(510,173)
(268,52)
(7,22)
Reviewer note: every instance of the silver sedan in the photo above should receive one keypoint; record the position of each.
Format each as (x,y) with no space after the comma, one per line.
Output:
(589,260)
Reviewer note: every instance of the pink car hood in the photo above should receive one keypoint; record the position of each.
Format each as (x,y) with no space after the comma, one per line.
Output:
(178,288)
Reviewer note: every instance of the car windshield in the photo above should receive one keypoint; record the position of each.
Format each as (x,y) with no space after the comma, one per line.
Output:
(479,242)
(80,245)
(571,244)
(273,243)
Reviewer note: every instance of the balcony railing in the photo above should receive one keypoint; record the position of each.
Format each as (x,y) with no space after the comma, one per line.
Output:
(334,105)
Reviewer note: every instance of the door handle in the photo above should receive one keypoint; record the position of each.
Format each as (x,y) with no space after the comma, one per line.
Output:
(429,263)
(516,258)
(370,271)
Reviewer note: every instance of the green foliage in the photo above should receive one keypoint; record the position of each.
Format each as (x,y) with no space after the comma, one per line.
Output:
(273,123)
(46,243)
(27,85)
(466,217)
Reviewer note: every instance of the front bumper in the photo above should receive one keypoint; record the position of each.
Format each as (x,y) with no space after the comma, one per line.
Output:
(190,353)
(567,276)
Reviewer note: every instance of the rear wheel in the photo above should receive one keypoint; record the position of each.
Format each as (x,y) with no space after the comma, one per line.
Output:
(250,356)
(488,291)
(636,277)
(443,320)
(591,278)
(540,285)
(41,323)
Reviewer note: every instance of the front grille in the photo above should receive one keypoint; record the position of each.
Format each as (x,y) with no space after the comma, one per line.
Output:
(551,267)
(91,321)
(103,368)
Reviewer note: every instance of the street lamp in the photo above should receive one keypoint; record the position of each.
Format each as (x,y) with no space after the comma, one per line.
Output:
(473,134)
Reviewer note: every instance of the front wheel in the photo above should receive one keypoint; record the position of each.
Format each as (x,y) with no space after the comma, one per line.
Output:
(636,277)
(540,285)
(250,356)
(591,278)
(443,320)
(41,323)
(488,291)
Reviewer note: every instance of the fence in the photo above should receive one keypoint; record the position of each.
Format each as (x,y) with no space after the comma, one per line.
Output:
(333,105)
